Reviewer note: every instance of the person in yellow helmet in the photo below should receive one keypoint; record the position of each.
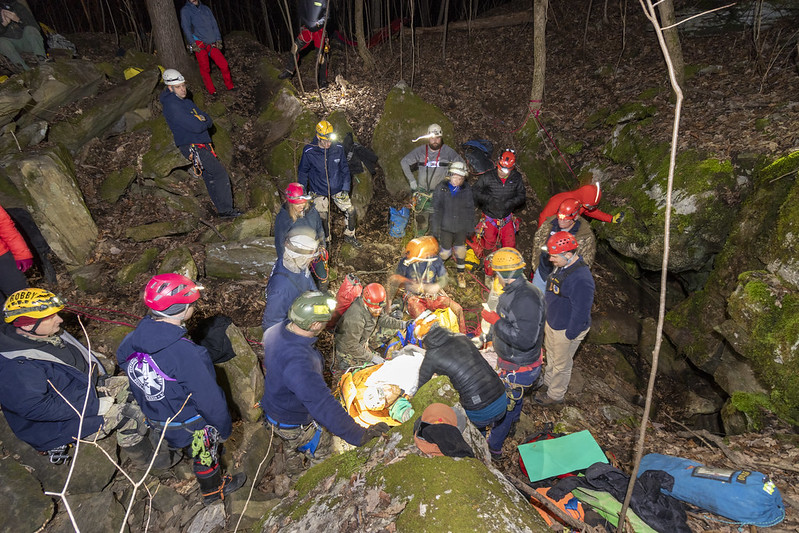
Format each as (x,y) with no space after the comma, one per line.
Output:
(325,174)
(517,331)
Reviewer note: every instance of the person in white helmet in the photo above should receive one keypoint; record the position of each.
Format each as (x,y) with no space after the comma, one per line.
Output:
(190,128)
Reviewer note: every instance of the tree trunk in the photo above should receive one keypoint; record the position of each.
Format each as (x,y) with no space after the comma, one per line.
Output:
(667,18)
(363,51)
(539,52)
(270,41)
(516,18)
(169,38)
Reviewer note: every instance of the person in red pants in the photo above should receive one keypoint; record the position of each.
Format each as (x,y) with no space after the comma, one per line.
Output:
(203,38)
(312,15)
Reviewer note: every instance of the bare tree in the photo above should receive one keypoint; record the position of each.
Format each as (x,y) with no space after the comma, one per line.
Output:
(169,38)
(540,8)
(668,22)
(363,51)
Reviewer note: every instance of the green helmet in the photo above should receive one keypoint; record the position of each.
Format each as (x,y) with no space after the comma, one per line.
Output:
(310,307)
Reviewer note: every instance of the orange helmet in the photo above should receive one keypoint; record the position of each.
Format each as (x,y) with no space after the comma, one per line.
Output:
(374,295)
(569,209)
(421,249)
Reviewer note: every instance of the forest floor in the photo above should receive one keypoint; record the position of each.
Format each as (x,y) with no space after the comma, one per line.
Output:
(735,104)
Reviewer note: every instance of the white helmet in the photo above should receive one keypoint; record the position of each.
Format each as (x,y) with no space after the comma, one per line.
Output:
(458,168)
(173,77)
(301,241)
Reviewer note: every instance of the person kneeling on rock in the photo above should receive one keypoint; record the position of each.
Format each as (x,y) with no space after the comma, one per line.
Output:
(297,403)
(171,377)
(47,376)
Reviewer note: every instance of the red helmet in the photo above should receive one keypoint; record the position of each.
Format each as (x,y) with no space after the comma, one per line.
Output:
(561,242)
(295,194)
(507,160)
(569,209)
(374,295)
(165,290)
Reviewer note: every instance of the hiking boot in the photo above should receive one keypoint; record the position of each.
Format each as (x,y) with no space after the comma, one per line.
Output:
(285,75)
(461,280)
(543,399)
(233,213)
(351,240)
(226,485)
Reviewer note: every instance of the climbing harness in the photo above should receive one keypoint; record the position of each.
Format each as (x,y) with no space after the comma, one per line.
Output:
(194,157)
(205,445)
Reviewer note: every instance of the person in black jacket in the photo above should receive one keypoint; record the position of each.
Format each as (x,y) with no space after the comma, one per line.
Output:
(453,217)
(517,331)
(498,193)
(481,391)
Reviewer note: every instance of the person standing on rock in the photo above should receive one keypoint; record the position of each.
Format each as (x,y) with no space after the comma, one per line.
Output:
(170,376)
(324,172)
(204,39)
(15,258)
(517,331)
(299,212)
(567,219)
(569,297)
(190,128)
(19,32)
(452,218)
(291,275)
(48,375)
(430,162)
(312,15)
(297,403)
(498,193)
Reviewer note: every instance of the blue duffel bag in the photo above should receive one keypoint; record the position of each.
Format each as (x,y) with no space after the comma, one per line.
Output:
(398,221)
(743,496)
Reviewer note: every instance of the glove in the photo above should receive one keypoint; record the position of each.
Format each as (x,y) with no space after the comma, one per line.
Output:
(105,405)
(374,431)
(342,196)
(618,217)
(218,44)
(414,185)
(376,359)
(489,316)
(401,411)
(24,264)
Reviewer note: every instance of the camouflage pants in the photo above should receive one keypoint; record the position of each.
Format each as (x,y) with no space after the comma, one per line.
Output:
(123,415)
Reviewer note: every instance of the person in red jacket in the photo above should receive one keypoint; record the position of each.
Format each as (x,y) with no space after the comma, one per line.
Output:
(15,258)
(589,196)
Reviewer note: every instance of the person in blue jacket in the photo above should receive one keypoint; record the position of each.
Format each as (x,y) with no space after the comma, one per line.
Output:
(291,275)
(569,297)
(204,39)
(190,128)
(298,212)
(171,377)
(324,172)
(297,402)
(47,375)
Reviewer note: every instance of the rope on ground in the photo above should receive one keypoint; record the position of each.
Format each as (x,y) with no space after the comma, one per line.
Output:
(94,317)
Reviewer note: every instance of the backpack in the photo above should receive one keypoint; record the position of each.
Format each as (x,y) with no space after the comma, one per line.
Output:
(398,221)
(478,155)
(211,334)
(349,290)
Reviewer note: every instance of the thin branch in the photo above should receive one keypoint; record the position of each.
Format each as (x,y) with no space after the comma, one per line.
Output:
(703,13)
(255,479)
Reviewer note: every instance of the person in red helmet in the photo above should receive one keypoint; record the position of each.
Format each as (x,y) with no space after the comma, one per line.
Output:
(363,320)
(588,196)
(498,194)
(566,219)
(568,299)
(299,211)
(170,376)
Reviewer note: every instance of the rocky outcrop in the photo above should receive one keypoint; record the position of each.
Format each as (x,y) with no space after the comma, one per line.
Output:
(53,85)
(241,377)
(241,260)
(405,117)
(44,182)
(278,101)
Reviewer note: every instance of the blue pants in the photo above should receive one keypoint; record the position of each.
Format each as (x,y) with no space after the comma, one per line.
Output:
(522,381)
(216,179)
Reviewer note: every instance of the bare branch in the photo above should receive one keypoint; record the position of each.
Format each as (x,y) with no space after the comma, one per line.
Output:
(255,479)
(697,15)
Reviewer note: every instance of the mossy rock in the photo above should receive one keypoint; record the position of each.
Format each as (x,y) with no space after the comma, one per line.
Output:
(545,175)
(264,193)
(148,232)
(630,112)
(283,159)
(405,117)
(279,102)
(241,260)
(116,184)
(223,144)
(253,224)
(179,261)
(163,156)
(783,249)
(129,273)
(89,278)
(28,509)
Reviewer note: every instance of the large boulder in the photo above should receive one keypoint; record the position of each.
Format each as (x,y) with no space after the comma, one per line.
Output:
(14,96)
(179,261)
(94,513)
(279,102)
(26,506)
(389,481)
(44,182)
(163,156)
(54,85)
(241,377)
(241,260)
(107,109)
(405,117)
(282,160)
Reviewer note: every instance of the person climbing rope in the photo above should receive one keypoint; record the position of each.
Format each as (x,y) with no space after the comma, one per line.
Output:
(588,196)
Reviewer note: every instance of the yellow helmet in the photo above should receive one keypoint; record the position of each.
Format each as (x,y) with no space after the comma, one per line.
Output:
(324,130)
(33,303)
(507,259)
(421,249)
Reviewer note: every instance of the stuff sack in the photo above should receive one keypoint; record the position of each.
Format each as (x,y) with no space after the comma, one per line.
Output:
(211,334)
(569,504)
(478,155)
(398,221)
(349,290)
(741,495)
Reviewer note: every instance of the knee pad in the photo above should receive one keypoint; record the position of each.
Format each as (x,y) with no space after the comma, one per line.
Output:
(444,254)
(459,251)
